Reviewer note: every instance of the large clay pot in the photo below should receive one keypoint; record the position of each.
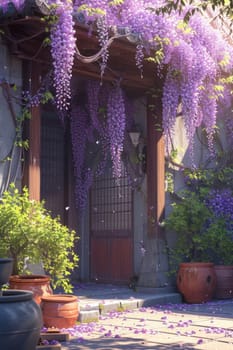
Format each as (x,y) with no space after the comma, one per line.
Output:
(60,310)
(196,282)
(20,321)
(224,287)
(6,266)
(38,284)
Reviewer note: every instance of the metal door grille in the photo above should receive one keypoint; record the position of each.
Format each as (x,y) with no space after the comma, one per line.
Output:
(111,206)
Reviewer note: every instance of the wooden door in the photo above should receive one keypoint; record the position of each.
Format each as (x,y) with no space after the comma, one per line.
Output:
(111,230)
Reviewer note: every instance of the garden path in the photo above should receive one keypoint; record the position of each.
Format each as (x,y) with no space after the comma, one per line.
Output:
(155,325)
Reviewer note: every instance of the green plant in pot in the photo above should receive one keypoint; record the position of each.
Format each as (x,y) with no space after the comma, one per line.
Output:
(195,277)
(28,231)
(187,218)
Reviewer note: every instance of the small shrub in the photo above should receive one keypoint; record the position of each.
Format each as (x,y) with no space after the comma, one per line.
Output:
(27,230)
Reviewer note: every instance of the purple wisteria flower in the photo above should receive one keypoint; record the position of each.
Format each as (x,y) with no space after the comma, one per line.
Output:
(196,55)
(221,203)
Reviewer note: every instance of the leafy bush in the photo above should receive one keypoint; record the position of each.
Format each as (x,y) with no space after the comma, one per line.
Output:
(202,217)
(27,230)
(188,217)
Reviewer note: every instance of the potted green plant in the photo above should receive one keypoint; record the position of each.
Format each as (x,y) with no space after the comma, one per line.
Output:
(202,216)
(196,278)
(28,231)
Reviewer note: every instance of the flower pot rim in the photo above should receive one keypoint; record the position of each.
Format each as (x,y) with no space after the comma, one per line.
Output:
(60,298)
(198,264)
(29,278)
(15,295)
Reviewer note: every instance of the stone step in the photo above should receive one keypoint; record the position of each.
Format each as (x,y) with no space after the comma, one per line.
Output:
(91,309)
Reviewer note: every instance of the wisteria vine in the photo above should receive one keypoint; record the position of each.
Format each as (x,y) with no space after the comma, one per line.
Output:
(221,204)
(79,138)
(62,51)
(196,56)
(104,129)
(116,127)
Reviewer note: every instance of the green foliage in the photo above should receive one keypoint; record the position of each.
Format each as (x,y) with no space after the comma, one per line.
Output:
(219,243)
(169,182)
(201,236)
(159,52)
(225,7)
(27,230)
(184,27)
(116,2)
(47,97)
(210,178)
(91,11)
(187,219)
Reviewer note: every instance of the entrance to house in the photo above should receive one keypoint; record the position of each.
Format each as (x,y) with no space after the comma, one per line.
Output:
(111,230)
(111,206)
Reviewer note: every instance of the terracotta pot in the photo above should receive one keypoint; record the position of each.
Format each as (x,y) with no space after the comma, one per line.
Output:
(60,310)
(224,287)
(38,284)
(196,281)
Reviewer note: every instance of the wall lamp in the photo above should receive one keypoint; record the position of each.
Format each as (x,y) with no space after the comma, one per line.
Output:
(140,148)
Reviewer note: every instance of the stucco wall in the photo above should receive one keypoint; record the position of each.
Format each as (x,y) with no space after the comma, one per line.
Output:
(10,71)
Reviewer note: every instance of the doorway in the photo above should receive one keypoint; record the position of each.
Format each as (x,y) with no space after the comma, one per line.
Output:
(111,229)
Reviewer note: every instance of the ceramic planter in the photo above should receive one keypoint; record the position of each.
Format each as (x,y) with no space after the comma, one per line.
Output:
(224,287)
(38,284)
(20,320)
(60,310)
(196,282)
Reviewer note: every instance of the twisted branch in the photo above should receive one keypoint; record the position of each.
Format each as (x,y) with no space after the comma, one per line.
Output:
(97,56)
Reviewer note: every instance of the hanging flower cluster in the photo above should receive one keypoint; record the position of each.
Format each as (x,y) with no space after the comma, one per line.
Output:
(116,127)
(93,90)
(62,46)
(221,204)
(96,93)
(97,123)
(63,50)
(79,137)
(195,55)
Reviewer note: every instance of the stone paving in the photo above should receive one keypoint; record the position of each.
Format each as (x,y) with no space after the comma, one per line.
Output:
(169,326)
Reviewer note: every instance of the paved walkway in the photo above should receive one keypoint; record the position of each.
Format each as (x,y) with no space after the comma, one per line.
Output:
(158,326)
